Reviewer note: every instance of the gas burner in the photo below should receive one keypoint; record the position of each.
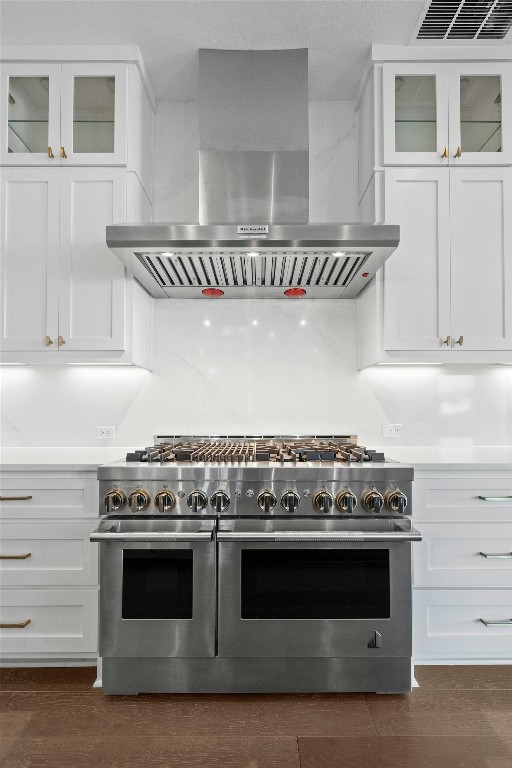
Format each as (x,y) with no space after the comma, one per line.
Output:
(264,449)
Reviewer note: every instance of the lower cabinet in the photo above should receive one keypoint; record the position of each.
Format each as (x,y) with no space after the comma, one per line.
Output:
(48,567)
(462,569)
(35,622)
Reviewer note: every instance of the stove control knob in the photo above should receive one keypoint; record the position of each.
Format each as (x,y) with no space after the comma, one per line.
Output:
(290,501)
(220,502)
(396,501)
(165,501)
(138,500)
(197,501)
(346,501)
(373,501)
(266,502)
(114,500)
(322,501)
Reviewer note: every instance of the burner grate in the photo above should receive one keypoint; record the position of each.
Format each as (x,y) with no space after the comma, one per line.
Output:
(265,450)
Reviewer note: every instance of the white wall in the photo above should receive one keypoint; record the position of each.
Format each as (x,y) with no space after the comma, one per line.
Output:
(256,366)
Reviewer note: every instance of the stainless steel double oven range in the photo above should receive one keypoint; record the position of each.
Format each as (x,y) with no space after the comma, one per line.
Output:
(233,564)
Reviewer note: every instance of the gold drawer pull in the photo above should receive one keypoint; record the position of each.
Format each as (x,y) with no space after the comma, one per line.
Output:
(19,625)
(447,341)
(500,623)
(61,341)
(458,153)
(16,557)
(460,341)
(63,153)
(47,341)
(445,153)
(50,153)
(15,498)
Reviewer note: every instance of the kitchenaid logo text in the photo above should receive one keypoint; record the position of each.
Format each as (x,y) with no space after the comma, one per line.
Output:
(252,229)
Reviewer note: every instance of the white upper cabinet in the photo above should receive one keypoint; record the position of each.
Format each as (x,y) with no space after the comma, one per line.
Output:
(447,113)
(64,114)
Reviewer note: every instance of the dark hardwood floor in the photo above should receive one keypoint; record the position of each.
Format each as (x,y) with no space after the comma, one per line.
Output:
(460,717)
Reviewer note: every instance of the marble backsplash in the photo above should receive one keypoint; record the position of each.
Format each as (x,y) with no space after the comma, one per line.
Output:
(256,367)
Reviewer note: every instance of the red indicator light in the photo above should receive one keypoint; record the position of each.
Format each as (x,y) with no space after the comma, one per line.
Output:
(365,274)
(212,292)
(295,293)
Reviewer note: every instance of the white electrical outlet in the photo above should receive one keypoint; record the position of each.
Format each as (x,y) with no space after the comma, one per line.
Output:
(105,432)
(391,430)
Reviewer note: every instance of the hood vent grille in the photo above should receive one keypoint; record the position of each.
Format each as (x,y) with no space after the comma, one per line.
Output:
(274,269)
(466,20)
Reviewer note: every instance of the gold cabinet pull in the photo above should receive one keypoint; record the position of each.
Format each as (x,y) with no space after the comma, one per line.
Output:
(16,557)
(50,153)
(63,153)
(19,625)
(47,341)
(460,341)
(458,152)
(61,341)
(447,341)
(445,152)
(15,498)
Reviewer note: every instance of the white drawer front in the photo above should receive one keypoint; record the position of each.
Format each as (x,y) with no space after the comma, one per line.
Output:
(61,621)
(453,499)
(446,624)
(449,555)
(60,554)
(48,497)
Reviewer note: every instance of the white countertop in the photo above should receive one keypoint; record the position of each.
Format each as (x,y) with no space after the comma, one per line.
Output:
(427,457)
(59,459)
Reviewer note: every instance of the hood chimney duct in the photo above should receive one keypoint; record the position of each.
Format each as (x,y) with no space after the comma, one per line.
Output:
(253,137)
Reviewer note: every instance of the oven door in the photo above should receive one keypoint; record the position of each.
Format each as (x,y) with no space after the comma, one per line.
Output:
(157,587)
(324,588)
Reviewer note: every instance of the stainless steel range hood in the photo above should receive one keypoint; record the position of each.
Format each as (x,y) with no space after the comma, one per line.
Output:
(253,238)
(183,260)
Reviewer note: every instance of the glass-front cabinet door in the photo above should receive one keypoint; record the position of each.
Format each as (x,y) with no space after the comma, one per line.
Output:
(481,114)
(30,128)
(415,111)
(447,114)
(69,114)
(93,114)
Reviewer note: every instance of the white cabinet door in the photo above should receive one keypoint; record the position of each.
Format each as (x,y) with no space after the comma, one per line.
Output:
(481,114)
(92,293)
(481,257)
(30,259)
(417,275)
(30,109)
(94,114)
(415,113)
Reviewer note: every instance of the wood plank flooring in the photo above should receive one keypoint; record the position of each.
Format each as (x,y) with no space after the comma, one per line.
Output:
(460,717)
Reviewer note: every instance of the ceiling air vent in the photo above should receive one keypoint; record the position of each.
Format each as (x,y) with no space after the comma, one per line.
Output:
(466,20)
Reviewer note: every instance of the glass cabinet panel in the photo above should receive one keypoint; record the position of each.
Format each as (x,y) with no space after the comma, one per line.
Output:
(415,113)
(27,114)
(480,113)
(93,114)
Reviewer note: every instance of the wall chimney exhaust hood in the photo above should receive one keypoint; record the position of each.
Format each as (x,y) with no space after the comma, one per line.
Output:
(253,238)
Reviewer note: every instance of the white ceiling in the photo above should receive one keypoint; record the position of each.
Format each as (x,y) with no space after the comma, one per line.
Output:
(169,33)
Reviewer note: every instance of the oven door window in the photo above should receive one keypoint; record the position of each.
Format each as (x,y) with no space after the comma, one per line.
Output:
(157,584)
(315,584)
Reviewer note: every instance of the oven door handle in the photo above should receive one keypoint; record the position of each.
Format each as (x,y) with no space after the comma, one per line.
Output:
(98,535)
(248,536)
